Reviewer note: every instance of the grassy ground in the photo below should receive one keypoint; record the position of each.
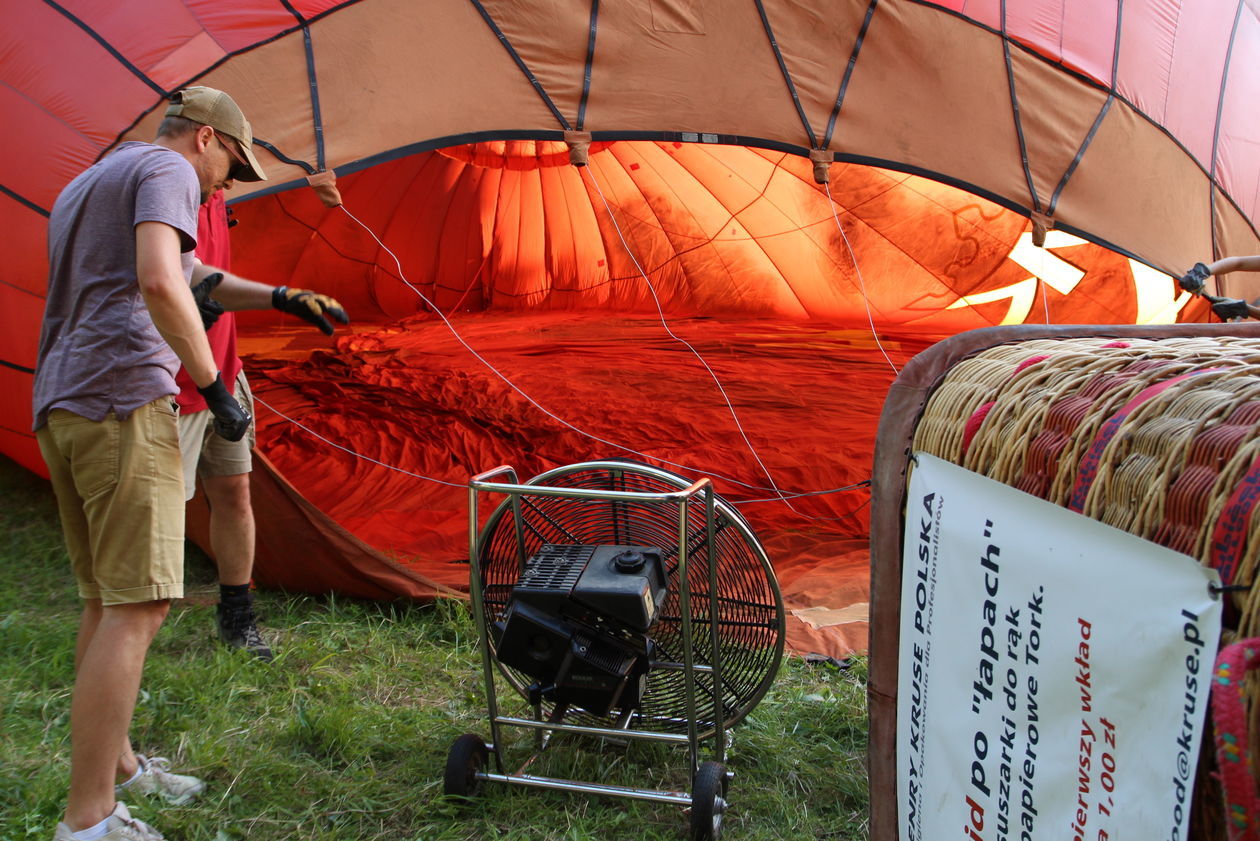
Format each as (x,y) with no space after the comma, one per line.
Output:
(345,735)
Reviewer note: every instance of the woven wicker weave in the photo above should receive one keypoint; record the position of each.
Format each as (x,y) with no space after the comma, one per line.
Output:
(1151,436)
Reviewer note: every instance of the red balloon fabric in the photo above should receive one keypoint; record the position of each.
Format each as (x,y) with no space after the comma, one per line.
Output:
(948,136)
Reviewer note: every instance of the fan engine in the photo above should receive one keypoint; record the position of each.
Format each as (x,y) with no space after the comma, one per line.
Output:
(577,622)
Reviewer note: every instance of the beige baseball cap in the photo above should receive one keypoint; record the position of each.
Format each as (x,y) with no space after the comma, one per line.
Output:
(216,109)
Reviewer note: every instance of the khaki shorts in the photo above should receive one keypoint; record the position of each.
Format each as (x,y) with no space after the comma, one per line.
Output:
(207,454)
(120,494)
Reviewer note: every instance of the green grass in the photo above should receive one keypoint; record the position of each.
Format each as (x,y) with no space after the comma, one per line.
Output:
(345,735)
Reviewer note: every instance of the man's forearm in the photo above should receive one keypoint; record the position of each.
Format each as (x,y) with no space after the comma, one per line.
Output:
(175,315)
(1235,264)
(169,300)
(235,292)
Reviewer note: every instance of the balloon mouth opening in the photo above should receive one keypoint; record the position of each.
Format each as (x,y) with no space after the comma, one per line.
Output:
(516,154)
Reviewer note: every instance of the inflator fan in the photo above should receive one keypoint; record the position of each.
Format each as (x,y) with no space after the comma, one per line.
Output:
(618,598)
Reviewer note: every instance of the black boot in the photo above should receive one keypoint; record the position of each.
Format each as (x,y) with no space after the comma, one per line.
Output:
(238,627)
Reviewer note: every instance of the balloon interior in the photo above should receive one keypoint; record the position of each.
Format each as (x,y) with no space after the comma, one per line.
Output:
(760,368)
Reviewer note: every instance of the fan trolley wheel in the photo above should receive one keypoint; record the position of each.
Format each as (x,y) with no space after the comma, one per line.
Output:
(708,801)
(467,757)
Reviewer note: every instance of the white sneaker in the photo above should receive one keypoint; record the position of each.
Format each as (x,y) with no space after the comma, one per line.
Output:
(155,777)
(120,826)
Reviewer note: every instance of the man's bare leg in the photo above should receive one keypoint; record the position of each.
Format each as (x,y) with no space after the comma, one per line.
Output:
(232,540)
(110,653)
(231,526)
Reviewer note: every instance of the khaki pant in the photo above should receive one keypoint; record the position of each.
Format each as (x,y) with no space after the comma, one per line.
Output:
(120,492)
(207,454)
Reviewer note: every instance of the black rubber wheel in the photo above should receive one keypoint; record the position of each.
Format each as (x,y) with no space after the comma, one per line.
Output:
(708,801)
(467,756)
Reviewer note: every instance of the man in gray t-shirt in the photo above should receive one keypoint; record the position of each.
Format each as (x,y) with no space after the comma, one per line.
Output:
(93,295)
(119,319)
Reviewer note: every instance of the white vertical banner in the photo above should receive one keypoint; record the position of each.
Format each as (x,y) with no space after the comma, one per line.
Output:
(1053,671)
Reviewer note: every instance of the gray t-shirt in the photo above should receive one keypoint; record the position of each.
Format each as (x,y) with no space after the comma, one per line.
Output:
(98,349)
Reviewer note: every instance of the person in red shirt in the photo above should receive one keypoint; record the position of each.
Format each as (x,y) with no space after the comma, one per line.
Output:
(223,466)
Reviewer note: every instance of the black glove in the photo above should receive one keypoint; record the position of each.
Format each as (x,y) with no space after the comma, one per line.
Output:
(309,306)
(1227,308)
(231,421)
(1193,280)
(209,308)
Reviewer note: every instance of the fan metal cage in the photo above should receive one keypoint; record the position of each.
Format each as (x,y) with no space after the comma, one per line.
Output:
(747,613)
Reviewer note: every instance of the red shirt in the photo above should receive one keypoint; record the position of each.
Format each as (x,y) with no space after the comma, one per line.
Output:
(213,249)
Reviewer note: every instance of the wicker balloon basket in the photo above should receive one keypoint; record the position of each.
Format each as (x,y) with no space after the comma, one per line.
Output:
(1155,435)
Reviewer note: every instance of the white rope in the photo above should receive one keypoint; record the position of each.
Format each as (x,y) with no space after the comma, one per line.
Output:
(354,453)
(870,318)
(661,313)
(793,495)
(451,327)
(779,494)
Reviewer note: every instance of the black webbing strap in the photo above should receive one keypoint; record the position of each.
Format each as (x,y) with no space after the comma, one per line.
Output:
(533,80)
(316,116)
(1019,125)
(787,77)
(590,63)
(1098,120)
(848,73)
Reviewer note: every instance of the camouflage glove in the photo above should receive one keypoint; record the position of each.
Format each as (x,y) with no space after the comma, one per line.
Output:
(208,307)
(1193,280)
(1229,308)
(231,420)
(309,306)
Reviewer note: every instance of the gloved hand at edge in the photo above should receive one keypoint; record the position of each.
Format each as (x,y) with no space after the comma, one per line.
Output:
(1193,280)
(1228,309)
(208,307)
(309,306)
(231,420)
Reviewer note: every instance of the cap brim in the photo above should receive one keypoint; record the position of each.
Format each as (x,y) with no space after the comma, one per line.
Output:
(255,171)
